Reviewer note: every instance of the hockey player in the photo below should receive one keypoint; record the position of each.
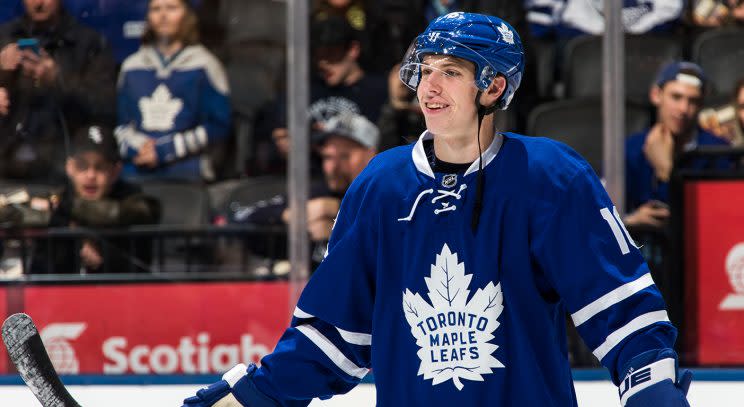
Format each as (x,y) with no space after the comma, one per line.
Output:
(453,261)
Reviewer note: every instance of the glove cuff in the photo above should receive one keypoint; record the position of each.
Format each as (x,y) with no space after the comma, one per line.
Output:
(236,373)
(639,378)
(240,380)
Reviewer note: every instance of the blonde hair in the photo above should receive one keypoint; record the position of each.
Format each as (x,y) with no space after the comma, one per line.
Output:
(188,32)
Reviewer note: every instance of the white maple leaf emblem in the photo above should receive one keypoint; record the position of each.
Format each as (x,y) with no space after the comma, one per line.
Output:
(506,33)
(453,333)
(159,111)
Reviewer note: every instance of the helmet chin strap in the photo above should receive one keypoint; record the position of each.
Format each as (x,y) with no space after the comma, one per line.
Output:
(480,183)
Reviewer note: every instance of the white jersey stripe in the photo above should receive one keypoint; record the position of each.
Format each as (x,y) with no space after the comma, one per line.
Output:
(179,145)
(333,353)
(298,313)
(611,298)
(355,338)
(639,322)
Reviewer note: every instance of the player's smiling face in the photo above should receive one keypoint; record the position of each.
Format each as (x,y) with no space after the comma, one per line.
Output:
(446,94)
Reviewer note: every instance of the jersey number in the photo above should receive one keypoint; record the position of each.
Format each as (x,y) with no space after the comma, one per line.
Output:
(618,229)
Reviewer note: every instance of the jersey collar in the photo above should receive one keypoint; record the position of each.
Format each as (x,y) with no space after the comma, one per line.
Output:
(422,163)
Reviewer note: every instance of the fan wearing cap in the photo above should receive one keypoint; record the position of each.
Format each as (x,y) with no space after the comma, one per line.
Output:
(339,83)
(453,262)
(95,197)
(345,144)
(677,93)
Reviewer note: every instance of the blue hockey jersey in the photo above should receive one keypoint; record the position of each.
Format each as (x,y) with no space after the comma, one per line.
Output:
(448,317)
(182,103)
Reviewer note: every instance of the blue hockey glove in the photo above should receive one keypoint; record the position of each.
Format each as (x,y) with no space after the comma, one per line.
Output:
(651,380)
(236,389)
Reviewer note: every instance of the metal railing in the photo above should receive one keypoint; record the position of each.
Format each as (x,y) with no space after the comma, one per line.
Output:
(191,252)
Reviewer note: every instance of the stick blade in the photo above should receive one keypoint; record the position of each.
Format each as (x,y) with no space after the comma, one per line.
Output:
(27,352)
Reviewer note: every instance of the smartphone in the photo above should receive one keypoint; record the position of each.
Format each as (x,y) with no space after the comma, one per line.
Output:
(29,43)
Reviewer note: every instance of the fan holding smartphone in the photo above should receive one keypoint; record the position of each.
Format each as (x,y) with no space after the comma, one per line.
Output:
(55,75)
(30,44)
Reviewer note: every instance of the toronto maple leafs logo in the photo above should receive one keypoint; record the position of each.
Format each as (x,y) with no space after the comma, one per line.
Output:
(453,333)
(159,111)
(506,33)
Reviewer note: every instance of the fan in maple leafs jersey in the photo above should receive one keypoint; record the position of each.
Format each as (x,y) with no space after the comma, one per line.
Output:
(179,101)
(453,280)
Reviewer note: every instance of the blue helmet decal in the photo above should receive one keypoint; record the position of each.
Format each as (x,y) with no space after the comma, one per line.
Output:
(488,42)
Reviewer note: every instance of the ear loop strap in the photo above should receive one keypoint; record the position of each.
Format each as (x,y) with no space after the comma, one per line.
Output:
(480,182)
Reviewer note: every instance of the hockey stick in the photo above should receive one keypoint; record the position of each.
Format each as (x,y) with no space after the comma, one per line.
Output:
(29,356)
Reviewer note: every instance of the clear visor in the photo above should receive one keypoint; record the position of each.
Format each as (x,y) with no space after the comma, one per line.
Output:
(432,55)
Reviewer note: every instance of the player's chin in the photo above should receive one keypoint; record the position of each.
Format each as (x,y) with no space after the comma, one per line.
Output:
(436,124)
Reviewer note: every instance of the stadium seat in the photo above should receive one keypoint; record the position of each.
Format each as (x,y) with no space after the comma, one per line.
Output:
(181,203)
(253,21)
(544,68)
(720,53)
(253,71)
(644,55)
(578,123)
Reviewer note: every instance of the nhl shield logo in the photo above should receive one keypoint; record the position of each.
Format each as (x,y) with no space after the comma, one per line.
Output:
(449,180)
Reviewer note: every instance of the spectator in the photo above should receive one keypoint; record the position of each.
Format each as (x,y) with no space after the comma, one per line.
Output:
(58,78)
(340,83)
(649,155)
(95,197)
(173,99)
(726,121)
(401,121)
(370,21)
(717,13)
(345,144)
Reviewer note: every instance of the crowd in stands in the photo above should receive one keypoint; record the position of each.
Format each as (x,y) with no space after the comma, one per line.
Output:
(191,94)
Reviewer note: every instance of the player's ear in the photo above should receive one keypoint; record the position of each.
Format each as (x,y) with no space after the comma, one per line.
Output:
(494,91)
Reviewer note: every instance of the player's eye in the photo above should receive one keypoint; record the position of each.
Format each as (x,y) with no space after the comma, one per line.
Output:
(452,73)
(425,71)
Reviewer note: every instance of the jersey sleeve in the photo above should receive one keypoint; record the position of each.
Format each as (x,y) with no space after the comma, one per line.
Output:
(592,262)
(327,349)
(214,119)
(126,135)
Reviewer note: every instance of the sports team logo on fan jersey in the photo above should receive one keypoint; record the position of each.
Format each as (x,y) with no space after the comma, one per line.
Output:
(452,332)
(735,272)
(56,339)
(159,111)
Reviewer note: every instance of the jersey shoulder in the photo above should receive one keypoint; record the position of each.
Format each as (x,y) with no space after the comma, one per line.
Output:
(140,59)
(551,165)
(384,176)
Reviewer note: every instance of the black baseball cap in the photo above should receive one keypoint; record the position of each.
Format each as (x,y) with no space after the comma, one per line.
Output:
(96,138)
(332,31)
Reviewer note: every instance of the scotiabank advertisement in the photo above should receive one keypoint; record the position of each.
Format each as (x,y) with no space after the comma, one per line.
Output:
(173,328)
(714,269)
